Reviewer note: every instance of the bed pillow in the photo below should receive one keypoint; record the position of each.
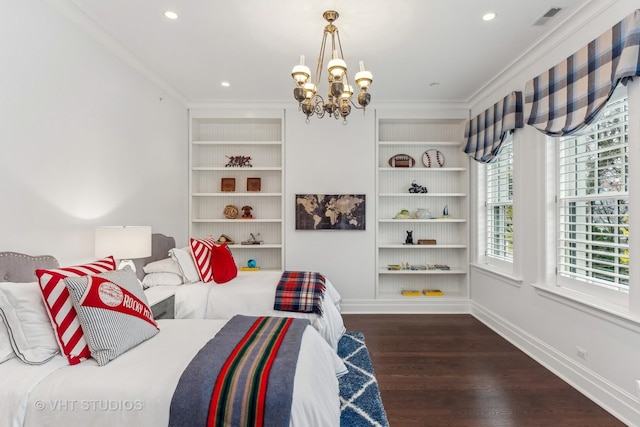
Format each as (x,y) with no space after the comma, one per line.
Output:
(183,257)
(61,310)
(161,279)
(6,351)
(114,312)
(167,265)
(201,252)
(25,316)
(222,264)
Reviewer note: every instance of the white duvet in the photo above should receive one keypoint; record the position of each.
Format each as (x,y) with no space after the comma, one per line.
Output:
(136,388)
(251,293)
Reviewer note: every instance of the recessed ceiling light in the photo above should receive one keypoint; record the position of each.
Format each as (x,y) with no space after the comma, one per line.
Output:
(488,16)
(225,84)
(171,14)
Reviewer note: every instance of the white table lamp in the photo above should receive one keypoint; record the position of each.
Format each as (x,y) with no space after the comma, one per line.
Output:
(124,242)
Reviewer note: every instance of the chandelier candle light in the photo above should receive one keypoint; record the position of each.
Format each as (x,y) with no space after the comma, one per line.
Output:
(338,103)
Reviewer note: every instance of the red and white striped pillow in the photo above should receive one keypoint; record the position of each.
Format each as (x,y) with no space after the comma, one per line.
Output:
(201,252)
(62,314)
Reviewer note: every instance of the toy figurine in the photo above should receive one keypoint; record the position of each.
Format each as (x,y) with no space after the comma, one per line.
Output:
(409,239)
(239,161)
(415,188)
(246,212)
(255,239)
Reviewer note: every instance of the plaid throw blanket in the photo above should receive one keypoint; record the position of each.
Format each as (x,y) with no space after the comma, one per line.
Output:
(301,291)
(242,377)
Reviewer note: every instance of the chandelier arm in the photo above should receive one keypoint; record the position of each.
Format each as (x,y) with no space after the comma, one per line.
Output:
(318,76)
(346,73)
(359,107)
(319,106)
(333,42)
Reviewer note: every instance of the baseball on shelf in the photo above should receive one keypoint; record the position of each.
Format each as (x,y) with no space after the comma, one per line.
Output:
(433,158)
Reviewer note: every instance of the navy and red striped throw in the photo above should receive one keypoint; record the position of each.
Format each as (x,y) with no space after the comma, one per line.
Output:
(242,377)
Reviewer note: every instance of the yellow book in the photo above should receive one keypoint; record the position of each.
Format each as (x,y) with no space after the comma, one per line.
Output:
(249,268)
(433,292)
(411,293)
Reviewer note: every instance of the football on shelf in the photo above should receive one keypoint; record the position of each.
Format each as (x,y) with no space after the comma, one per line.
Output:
(402,161)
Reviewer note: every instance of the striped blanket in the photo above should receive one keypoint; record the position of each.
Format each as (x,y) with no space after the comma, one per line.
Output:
(301,291)
(241,377)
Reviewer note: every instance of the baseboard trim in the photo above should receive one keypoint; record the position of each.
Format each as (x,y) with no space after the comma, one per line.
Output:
(612,398)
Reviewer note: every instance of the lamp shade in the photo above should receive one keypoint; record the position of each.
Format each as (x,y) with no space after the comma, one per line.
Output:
(123,242)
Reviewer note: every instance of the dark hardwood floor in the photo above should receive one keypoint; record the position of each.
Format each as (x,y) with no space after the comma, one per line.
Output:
(451,370)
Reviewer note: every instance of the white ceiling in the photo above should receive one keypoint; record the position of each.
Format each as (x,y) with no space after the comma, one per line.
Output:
(253,44)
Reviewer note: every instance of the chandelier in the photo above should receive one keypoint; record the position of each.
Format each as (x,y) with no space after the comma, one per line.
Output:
(340,91)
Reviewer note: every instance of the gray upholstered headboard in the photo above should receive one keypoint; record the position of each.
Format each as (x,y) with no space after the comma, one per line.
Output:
(21,268)
(160,246)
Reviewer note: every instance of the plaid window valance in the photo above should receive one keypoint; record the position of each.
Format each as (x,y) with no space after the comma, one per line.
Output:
(570,95)
(487,130)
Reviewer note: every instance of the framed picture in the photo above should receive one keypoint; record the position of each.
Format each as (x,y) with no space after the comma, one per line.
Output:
(228,184)
(253,184)
(330,211)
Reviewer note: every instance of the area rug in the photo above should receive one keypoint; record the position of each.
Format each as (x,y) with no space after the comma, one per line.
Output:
(360,402)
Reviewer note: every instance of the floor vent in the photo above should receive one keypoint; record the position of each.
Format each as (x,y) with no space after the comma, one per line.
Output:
(547,16)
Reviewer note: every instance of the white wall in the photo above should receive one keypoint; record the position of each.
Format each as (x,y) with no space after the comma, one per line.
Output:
(547,327)
(85,139)
(325,157)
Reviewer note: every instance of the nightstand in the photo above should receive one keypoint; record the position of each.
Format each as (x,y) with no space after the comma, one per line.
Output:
(164,309)
(162,303)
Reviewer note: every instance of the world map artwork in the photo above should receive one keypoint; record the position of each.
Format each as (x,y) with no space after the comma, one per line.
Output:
(330,211)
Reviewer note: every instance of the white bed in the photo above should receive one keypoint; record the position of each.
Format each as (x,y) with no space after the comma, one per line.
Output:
(135,388)
(250,292)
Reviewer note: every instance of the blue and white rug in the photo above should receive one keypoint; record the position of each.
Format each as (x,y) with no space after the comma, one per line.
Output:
(360,402)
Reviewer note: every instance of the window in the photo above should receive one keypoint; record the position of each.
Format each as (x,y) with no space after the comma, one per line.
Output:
(592,205)
(499,206)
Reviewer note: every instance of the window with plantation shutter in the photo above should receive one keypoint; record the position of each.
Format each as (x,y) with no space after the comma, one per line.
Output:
(592,202)
(499,205)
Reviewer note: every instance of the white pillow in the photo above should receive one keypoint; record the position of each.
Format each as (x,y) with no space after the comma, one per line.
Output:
(25,316)
(167,265)
(113,311)
(161,279)
(6,351)
(185,260)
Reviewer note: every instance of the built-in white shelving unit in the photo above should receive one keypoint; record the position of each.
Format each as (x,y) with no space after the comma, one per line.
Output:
(215,136)
(446,185)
